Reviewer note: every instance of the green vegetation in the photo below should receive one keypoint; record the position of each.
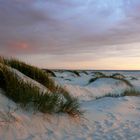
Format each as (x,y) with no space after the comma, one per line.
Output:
(36,74)
(1,60)
(92,80)
(133,78)
(49,72)
(128,92)
(131,92)
(71,107)
(117,76)
(99,74)
(32,72)
(75,72)
(28,95)
(68,79)
(85,72)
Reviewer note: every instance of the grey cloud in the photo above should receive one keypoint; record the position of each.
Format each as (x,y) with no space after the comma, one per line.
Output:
(58,27)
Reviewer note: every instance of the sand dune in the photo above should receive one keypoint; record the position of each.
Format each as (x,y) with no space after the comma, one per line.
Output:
(106,118)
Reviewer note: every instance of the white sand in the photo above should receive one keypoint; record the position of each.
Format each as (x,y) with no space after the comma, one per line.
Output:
(104,119)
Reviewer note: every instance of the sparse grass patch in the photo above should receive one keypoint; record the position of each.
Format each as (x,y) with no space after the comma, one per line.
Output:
(1,60)
(110,95)
(131,92)
(134,78)
(99,74)
(92,80)
(75,72)
(68,79)
(71,107)
(118,75)
(2,78)
(50,72)
(84,71)
(127,92)
(115,76)
(125,81)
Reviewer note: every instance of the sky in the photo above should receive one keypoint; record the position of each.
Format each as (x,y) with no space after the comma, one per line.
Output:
(72,34)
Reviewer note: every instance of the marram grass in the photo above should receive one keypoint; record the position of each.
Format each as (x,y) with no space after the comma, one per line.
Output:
(36,74)
(100,76)
(28,95)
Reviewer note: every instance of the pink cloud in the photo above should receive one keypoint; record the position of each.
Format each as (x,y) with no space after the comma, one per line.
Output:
(19,47)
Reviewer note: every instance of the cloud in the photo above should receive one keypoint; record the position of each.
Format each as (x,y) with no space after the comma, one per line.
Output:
(64,27)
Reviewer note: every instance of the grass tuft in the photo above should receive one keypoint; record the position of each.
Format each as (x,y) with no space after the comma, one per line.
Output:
(115,76)
(75,72)
(131,92)
(99,74)
(49,72)
(26,94)
(128,92)
(118,75)
(71,107)
(36,74)
(32,72)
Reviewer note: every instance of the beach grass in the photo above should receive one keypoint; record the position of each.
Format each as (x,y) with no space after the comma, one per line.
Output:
(28,95)
(101,75)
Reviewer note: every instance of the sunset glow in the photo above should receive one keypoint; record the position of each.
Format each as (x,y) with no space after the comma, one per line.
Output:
(74,34)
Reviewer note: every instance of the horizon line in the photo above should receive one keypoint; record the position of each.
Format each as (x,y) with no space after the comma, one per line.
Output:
(90,69)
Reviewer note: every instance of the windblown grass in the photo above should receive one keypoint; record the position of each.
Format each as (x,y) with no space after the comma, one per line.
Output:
(2,60)
(28,95)
(75,72)
(134,78)
(32,72)
(93,80)
(49,72)
(100,75)
(71,107)
(36,74)
(127,92)
(131,92)
(118,75)
(85,72)
(25,93)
